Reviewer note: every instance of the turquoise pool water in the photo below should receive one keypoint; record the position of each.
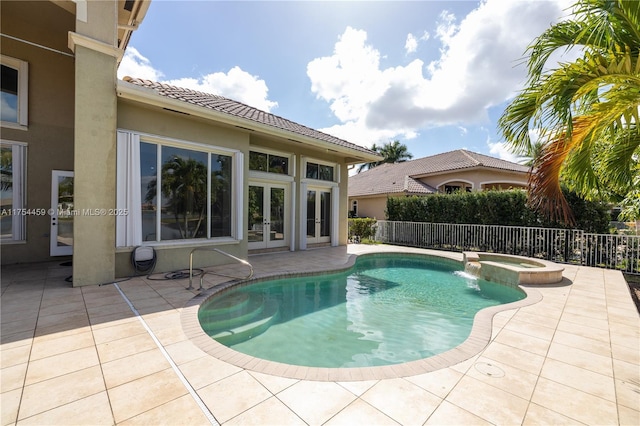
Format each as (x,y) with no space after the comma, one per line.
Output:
(385,310)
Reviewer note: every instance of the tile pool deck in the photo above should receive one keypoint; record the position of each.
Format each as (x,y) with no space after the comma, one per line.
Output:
(82,356)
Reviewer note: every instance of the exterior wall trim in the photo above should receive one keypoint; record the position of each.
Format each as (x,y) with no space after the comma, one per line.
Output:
(76,39)
(456,179)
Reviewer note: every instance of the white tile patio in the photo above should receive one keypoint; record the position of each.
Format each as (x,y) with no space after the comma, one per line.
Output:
(81,356)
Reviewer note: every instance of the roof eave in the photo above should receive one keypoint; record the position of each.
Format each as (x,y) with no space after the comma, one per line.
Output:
(148,96)
(134,20)
(470,168)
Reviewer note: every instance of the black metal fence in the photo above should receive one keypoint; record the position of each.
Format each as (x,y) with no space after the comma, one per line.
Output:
(621,252)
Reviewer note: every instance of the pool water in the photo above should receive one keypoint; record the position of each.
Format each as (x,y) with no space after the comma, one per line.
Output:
(385,310)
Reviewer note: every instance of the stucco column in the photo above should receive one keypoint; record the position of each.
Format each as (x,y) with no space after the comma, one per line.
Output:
(95,144)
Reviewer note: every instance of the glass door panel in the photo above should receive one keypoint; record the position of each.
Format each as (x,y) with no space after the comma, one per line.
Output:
(325,214)
(255,232)
(311,214)
(318,216)
(276,219)
(62,209)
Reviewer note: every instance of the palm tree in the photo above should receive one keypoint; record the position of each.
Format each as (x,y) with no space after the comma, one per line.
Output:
(587,110)
(535,151)
(393,152)
(371,165)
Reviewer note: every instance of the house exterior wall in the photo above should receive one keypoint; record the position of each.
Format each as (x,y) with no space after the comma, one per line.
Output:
(303,152)
(154,121)
(476,178)
(167,124)
(50,132)
(373,207)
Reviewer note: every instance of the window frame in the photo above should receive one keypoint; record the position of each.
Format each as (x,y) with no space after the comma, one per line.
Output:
(22,119)
(19,198)
(320,182)
(209,150)
(236,191)
(266,175)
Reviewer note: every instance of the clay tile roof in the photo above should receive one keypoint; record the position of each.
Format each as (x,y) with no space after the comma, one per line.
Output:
(387,179)
(404,177)
(238,109)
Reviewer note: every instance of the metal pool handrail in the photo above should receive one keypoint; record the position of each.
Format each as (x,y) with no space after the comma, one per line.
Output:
(237,259)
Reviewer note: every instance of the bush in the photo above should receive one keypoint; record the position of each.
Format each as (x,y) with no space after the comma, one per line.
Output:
(362,228)
(508,208)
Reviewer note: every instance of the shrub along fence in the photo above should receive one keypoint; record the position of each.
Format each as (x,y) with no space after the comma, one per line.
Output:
(573,246)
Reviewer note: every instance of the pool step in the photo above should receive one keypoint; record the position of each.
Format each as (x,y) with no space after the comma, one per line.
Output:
(228,305)
(261,322)
(229,317)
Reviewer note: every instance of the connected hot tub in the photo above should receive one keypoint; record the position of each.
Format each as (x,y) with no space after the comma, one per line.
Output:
(512,270)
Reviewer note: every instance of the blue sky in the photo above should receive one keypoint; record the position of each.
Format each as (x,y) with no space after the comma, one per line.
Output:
(435,75)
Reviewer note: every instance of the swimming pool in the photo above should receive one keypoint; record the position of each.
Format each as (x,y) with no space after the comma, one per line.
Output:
(385,310)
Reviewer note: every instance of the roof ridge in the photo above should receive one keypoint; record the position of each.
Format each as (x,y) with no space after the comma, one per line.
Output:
(471,157)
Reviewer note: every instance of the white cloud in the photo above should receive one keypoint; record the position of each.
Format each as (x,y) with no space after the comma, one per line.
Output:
(475,70)
(237,84)
(502,151)
(135,65)
(411,45)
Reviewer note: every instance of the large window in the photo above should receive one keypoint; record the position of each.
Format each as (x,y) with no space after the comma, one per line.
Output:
(185,193)
(12,192)
(13,93)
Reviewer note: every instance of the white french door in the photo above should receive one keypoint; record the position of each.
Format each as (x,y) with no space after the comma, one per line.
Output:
(319,215)
(62,212)
(268,215)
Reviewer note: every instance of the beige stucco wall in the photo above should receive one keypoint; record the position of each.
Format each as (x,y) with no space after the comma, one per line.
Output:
(477,178)
(50,132)
(373,207)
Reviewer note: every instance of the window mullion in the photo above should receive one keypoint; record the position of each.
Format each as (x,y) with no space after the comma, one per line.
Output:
(209,195)
(158,192)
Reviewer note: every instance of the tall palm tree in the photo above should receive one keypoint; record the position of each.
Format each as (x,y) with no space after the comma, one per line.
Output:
(586,110)
(393,152)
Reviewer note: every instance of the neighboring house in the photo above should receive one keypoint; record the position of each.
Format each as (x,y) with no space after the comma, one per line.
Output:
(93,167)
(458,170)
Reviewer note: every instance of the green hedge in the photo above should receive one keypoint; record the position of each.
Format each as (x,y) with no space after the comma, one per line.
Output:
(363,228)
(507,208)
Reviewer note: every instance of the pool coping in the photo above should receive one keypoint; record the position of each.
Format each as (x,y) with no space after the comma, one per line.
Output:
(478,339)
(489,266)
